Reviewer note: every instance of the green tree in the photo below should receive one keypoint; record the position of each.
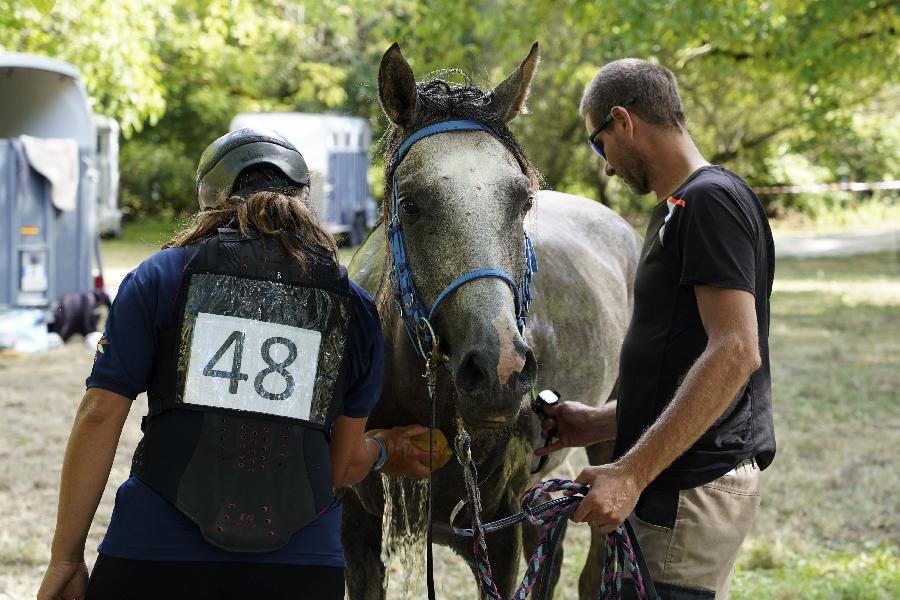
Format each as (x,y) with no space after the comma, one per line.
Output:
(766,83)
(111,43)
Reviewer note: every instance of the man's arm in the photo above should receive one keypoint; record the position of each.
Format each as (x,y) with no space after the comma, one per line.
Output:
(730,357)
(577,425)
(86,466)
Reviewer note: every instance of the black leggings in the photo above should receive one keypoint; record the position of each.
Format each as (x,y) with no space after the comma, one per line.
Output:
(124,579)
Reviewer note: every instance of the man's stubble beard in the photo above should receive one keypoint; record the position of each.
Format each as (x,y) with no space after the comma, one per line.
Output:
(634,173)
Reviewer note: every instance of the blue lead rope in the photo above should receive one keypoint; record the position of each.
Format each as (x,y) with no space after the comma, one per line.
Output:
(409,304)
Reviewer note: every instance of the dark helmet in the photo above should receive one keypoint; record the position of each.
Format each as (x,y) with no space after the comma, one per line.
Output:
(224,159)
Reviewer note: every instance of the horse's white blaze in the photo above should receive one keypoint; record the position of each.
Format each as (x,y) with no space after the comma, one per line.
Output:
(509,361)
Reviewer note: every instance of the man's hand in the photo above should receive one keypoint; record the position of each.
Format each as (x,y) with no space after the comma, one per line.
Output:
(405,459)
(64,580)
(614,493)
(577,425)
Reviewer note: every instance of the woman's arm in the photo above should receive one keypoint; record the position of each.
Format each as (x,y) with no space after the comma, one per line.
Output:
(353,454)
(88,460)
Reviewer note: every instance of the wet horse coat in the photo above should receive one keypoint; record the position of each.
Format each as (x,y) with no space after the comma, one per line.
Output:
(464,199)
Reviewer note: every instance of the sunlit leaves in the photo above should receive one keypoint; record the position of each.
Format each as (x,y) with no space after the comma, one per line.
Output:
(44,6)
(762,80)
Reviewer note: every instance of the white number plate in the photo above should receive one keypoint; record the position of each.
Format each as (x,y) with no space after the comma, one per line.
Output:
(252,365)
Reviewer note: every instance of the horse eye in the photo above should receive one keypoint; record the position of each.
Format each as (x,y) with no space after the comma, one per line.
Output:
(529,202)
(409,208)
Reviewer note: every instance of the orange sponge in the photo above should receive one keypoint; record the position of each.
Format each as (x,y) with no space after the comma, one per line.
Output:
(439,445)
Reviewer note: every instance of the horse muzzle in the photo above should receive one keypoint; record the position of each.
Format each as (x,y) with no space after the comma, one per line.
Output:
(491,383)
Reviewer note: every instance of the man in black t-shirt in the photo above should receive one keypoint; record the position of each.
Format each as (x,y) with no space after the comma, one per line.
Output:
(693,418)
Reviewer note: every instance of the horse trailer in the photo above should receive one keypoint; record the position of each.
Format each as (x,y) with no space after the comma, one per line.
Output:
(109,215)
(47,182)
(336,150)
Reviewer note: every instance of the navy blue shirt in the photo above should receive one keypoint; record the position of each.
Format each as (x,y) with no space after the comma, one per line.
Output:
(145,526)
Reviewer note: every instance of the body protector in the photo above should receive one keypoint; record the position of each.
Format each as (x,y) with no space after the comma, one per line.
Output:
(247,383)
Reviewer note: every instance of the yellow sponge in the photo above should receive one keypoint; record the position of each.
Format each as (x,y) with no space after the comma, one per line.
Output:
(439,445)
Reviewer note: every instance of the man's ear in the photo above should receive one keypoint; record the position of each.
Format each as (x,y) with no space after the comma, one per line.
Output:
(511,94)
(397,88)
(623,118)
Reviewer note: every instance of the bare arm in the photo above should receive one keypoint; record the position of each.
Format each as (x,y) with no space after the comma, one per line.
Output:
(730,357)
(578,425)
(86,466)
(353,454)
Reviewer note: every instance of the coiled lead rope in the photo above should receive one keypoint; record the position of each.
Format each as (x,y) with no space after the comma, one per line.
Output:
(621,554)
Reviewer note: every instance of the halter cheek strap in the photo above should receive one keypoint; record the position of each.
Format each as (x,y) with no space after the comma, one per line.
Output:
(409,305)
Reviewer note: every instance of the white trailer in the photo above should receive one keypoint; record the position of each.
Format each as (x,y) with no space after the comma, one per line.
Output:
(47,182)
(109,215)
(336,150)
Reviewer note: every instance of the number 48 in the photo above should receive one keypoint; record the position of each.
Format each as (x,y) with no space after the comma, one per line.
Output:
(234,376)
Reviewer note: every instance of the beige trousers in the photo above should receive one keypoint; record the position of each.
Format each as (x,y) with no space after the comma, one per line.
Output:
(695,558)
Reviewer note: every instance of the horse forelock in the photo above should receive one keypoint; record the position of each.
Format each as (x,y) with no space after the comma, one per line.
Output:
(439,101)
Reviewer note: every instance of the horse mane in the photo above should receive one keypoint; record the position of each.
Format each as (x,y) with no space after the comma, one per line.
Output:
(441,100)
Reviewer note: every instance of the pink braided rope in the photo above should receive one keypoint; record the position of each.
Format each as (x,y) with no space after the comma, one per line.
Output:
(619,548)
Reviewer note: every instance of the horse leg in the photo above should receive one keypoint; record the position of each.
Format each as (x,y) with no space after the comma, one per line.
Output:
(592,573)
(361,534)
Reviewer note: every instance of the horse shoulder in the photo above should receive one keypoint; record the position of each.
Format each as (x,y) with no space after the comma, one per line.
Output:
(582,293)
(367,265)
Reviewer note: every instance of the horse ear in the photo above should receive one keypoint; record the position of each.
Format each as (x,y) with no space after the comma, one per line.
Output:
(513,92)
(397,88)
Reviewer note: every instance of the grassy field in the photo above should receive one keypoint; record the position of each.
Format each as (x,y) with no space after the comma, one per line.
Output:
(839,217)
(829,522)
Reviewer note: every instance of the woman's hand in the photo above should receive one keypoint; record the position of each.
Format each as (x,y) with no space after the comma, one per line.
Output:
(405,458)
(64,580)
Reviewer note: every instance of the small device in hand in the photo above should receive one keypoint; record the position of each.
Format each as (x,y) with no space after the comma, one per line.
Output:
(538,403)
(544,399)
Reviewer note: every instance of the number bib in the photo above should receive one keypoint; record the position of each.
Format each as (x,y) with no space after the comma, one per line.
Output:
(251,365)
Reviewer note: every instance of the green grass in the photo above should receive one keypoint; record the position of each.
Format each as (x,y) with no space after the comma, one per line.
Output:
(139,240)
(783,574)
(828,525)
(872,214)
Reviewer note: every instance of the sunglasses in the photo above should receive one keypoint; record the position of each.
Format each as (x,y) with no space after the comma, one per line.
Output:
(598,148)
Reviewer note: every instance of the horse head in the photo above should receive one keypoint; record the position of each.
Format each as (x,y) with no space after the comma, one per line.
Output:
(461,198)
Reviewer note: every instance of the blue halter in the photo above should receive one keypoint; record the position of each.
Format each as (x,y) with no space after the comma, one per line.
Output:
(409,305)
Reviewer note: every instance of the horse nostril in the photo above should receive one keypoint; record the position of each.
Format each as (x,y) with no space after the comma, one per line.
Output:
(471,378)
(528,375)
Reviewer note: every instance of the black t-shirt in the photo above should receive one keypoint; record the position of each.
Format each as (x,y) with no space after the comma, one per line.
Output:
(711,231)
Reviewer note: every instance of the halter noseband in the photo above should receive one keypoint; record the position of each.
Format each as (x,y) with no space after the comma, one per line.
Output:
(409,305)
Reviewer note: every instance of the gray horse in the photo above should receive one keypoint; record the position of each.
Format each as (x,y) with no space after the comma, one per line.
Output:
(464,198)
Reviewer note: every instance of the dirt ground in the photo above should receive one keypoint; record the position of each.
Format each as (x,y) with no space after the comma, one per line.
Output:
(39,394)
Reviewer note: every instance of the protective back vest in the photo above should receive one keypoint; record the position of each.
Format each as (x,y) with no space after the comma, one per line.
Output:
(247,382)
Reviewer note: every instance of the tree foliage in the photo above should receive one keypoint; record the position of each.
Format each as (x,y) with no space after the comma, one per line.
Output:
(767,85)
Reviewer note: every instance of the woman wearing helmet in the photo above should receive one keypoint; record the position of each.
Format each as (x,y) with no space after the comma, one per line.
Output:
(261,361)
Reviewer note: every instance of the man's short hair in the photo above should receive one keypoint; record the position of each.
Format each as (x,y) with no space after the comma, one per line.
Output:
(653,88)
